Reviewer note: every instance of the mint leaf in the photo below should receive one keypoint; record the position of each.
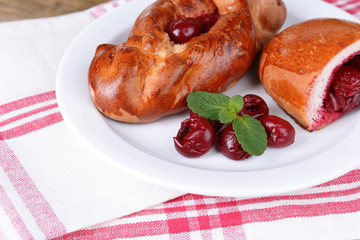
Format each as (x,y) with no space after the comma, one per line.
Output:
(251,134)
(229,113)
(226,116)
(215,106)
(236,103)
(207,104)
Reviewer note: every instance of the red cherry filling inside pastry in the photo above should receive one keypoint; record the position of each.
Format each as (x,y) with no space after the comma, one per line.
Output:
(183,29)
(344,92)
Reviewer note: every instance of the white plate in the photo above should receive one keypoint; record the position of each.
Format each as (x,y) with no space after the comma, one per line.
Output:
(147,151)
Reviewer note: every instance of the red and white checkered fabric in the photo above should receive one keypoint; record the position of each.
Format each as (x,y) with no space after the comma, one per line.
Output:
(310,214)
(68,206)
(350,6)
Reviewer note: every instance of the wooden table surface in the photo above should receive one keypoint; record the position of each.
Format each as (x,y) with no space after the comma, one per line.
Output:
(25,9)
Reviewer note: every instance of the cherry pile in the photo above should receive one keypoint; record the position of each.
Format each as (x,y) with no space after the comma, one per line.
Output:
(344,92)
(197,135)
(183,29)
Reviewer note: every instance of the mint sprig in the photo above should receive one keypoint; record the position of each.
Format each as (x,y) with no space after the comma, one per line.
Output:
(214,106)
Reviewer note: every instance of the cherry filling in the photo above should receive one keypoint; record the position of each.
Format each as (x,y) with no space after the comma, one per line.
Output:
(184,29)
(208,20)
(344,92)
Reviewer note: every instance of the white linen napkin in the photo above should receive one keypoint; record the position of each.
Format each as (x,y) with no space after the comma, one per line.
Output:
(49,183)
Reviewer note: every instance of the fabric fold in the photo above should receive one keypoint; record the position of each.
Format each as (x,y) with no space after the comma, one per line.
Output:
(50,184)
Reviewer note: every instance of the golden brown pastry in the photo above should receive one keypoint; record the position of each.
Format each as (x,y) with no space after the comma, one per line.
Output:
(310,70)
(149,76)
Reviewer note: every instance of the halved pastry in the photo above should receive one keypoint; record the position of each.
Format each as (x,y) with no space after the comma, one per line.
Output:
(312,70)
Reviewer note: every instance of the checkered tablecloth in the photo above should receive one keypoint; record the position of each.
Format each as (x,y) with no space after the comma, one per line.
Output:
(52,187)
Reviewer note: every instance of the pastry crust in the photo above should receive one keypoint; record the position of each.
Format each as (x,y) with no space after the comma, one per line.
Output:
(296,67)
(149,76)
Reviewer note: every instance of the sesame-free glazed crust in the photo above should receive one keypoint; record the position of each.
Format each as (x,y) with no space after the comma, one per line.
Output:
(148,76)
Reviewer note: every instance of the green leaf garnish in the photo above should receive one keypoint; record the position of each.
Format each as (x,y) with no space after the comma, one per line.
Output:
(214,106)
(207,105)
(236,103)
(225,116)
(251,134)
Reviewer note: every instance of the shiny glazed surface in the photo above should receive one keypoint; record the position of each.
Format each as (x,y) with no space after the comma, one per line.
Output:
(148,76)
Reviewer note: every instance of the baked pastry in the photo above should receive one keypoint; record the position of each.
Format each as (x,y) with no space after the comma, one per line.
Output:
(149,76)
(311,70)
